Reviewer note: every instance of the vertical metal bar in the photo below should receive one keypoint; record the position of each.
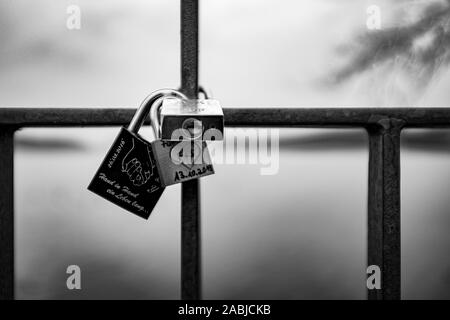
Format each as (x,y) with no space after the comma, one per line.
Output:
(384,207)
(190,191)
(6,214)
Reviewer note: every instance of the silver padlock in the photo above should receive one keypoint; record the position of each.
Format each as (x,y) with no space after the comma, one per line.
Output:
(191,119)
(135,172)
(177,161)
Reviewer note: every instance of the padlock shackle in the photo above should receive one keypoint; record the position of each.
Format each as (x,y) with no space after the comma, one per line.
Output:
(206,93)
(151,106)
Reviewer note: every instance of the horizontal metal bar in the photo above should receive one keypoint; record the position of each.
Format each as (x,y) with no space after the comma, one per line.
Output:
(236,117)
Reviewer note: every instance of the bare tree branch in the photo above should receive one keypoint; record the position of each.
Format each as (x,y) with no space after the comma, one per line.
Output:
(422,47)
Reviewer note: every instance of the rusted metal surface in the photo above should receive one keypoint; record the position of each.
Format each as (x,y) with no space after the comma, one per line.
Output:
(235,117)
(190,241)
(6,213)
(384,206)
(190,190)
(334,117)
(383,125)
(189,47)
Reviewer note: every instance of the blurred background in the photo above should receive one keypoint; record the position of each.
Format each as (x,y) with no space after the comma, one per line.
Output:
(299,234)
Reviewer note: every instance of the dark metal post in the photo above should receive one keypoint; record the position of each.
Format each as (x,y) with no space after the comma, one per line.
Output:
(384,206)
(190,191)
(6,214)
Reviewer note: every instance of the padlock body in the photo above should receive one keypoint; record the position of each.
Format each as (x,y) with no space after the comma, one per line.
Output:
(128,176)
(194,116)
(181,161)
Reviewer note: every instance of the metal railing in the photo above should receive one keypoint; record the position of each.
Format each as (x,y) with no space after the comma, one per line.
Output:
(383,126)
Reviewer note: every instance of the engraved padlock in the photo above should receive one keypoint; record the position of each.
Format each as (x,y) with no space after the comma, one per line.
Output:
(192,119)
(135,172)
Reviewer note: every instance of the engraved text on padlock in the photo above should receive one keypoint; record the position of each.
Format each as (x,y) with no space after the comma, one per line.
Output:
(128,176)
(182,161)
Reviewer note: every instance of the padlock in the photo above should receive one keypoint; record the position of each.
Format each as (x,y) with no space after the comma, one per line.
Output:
(135,172)
(192,119)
